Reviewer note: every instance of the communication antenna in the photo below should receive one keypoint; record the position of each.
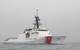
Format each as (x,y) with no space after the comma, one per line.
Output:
(36,12)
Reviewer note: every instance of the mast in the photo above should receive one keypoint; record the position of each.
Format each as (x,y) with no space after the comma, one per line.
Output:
(37,19)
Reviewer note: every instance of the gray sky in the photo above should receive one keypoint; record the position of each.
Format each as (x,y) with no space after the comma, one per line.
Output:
(60,16)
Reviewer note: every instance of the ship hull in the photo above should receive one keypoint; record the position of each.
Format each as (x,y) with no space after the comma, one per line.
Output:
(55,40)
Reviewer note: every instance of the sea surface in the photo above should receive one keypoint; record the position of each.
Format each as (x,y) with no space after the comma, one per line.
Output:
(67,46)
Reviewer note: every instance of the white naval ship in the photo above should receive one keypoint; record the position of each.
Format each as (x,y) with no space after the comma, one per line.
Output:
(37,35)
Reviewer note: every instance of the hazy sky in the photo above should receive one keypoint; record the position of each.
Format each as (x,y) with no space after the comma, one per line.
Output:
(60,16)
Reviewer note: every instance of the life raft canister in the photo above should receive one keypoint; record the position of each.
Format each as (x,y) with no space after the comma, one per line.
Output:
(48,39)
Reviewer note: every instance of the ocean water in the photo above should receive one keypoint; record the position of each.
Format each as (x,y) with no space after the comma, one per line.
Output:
(67,46)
